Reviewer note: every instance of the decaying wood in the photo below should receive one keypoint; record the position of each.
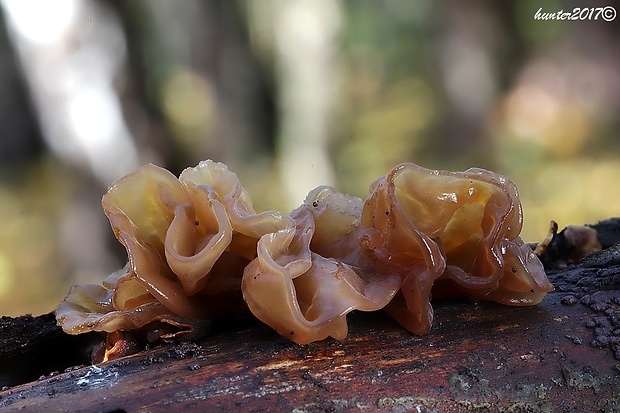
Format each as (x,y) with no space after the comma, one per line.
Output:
(559,356)
(34,346)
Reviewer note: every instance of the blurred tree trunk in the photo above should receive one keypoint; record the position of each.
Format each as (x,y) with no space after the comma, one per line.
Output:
(20,136)
(208,41)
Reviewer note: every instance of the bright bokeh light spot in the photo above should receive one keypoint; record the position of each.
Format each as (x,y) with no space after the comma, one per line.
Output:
(93,116)
(469,77)
(70,68)
(530,110)
(97,125)
(541,111)
(308,24)
(40,21)
(188,99)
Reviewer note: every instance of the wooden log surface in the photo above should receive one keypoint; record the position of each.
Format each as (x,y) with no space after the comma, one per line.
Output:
(559,356)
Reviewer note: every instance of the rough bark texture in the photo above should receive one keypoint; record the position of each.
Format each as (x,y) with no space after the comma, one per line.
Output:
(560,356)
(35,346)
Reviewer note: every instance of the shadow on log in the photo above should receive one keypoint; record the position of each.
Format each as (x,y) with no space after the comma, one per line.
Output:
(561,355)
(34,346)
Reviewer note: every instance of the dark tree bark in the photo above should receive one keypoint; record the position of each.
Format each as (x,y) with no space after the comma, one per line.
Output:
(20,136)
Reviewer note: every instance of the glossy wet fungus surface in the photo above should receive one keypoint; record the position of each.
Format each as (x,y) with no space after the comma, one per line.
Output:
(197,250)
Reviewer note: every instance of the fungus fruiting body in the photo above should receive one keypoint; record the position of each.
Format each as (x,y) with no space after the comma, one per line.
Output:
(450,234)
(306,278)
(195,246)
(187,240)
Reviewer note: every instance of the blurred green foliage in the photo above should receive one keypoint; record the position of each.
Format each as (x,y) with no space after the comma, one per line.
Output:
(442,84)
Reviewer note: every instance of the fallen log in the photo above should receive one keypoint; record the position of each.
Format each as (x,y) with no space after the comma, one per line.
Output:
(561,355)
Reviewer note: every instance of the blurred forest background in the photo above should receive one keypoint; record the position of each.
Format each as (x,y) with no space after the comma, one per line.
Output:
(290,94)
